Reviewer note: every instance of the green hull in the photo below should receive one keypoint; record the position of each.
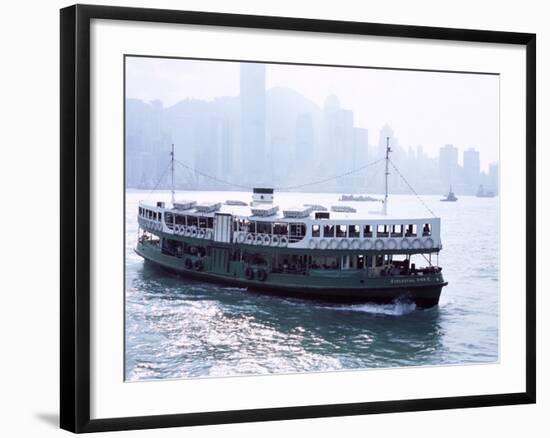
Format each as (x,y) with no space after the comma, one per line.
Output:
(341,286)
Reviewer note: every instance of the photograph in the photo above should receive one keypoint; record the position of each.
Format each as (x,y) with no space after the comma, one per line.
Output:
(287,218)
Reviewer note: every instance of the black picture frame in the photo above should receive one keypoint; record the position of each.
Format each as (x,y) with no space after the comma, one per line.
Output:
(75,217)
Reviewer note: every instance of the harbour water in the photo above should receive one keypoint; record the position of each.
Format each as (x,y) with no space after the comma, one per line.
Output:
(179,328)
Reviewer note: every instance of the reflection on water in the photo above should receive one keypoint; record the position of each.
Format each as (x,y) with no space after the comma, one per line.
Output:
(177,327)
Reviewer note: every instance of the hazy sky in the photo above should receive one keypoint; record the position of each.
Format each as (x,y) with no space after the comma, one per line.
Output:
(431,109)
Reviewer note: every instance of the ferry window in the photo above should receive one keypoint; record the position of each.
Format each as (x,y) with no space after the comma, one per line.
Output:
(160,215)
(411,230)
(297,230)
(280,229)
(354,231)
(328,231)
(180,220)
(139,211)
(367,231)
(192,221)
(209,222)
(382,231)
(316,231)
(341,230)
(397,231)
(169,218)
(252,227)
(427,230)
(264,227)
(202,222)
(155,215)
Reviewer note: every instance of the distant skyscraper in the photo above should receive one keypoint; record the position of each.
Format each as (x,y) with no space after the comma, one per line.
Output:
(330,108)
(338,138)
(471,169)
(253,116)
(493,177)
(360,147)
(448,166)
(304,151)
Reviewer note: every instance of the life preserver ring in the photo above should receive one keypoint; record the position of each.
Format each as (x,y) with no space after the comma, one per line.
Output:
(405,244)
(209,235)
(344,244)
(355,244)
(323,244)
(241,237)
(379,244)
(249,273)
(176,229)
(266,239)
(201,233)
(249,239)
(392,244)
(188,263)
(283,241)
(259,239)
(366,244)
(199,265)
(312,244)
(417,244)
(333,244)
(193,232)
(275,241)
(187,231)
(262,274)
(429,243)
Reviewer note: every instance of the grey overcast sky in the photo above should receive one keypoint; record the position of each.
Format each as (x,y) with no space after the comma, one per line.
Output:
(427,108)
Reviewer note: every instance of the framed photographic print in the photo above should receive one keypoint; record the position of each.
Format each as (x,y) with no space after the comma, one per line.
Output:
(270,218)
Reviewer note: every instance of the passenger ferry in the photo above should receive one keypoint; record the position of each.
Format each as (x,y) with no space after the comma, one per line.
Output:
(306,251)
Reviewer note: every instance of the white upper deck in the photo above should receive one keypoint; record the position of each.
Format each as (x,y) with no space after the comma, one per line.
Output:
(306,227)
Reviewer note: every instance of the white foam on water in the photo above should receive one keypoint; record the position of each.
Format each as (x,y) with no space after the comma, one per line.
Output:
(395,309)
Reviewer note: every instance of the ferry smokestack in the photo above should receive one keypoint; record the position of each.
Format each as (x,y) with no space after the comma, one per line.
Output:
(262,195)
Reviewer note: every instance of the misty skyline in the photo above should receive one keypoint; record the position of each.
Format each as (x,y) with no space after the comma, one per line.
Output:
(423,108)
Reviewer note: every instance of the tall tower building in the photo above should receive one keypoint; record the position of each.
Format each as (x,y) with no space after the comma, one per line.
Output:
(304,138)
(360,147)
(471,169)
(253,121)
(338,135)
(493,177)
(448,166)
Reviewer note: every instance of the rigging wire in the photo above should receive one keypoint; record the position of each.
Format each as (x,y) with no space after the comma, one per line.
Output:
(321,181)
(161,178)
(212,177)
(412,189)
(311,183)
(192,169)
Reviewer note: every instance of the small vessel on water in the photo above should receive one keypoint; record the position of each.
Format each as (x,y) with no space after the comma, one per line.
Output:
(300,251)
(481,193)
(358,198)
(450,197)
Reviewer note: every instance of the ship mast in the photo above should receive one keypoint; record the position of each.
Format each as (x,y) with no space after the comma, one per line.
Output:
(173,197)
(388,150)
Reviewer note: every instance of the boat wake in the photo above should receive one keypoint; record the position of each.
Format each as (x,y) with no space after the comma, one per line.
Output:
(399,308)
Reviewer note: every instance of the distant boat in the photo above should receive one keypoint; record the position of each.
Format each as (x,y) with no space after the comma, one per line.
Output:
(450,196)
(481,193)
(359,198)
